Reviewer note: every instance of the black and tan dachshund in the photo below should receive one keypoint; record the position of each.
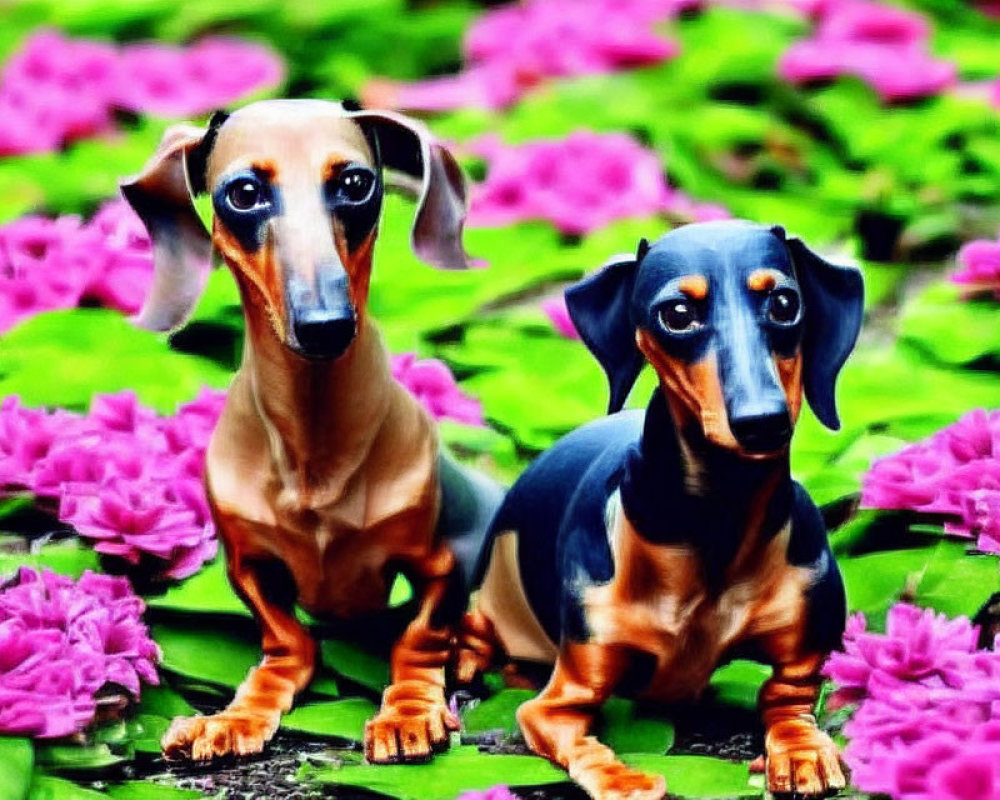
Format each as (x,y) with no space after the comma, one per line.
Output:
(643,550)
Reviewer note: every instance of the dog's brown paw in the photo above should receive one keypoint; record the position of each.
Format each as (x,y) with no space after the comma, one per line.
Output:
(408,729)
(615,781)
(801,759)
(205,738)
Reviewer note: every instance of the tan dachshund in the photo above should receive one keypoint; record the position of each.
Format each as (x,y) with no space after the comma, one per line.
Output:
(324,475)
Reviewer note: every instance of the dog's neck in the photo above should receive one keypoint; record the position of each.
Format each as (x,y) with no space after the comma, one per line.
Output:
(321,417)
(680,488)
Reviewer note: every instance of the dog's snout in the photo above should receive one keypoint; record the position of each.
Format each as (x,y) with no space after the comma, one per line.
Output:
(325,334)
(762,433)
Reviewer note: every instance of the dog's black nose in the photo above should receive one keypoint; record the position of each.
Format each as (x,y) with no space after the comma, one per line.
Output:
(323,334)
(762,433)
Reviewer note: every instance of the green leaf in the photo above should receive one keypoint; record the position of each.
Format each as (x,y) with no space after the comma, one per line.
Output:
(67,558)
(75,758)
(401,592)
(698,776)
(46,787)
(355,663)
(147,790)
(208,591)
(342,719)
(621,724)
(146,731)
(13,503)
(17,757)
(161,701)
(950,329)
(626,727)
(208,654)
(461,769)
(496,712)
(62,358)
(957,582)
(876,581)
(738,683)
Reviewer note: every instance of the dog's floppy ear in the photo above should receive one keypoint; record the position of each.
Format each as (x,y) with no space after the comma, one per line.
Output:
(161,196)
(833,298)
(407,146)
(599,306)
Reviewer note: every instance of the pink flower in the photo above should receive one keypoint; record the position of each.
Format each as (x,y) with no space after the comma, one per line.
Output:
(955,472)
(131,519)
(55,89)
(62,644)
(555,308)
(494,793)
(125,478)
(579,183)
(432,383)
(183,81)
(928,707)
(979,265)
(26,439)
(887,47)
(514,48)
(47,264)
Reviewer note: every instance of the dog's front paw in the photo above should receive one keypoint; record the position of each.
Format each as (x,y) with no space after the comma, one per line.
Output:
(615,781)
(204,738)
(801,759)
(412,725)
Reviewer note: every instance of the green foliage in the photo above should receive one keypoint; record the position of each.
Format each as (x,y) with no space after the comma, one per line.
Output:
(68,558)
(186,647)
(447,775)
(208,592)
(63,358)
(17,758)
(340,719)
(622,724)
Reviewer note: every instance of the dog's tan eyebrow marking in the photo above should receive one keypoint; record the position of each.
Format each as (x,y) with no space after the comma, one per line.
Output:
(334,167)
(694,286)
(763,280)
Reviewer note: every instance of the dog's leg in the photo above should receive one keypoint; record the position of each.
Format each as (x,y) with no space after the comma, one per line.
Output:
(252,718)
(415,719)
(800,757)
(476,646)
(557,722)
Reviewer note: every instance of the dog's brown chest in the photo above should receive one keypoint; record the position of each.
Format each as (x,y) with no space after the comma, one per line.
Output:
(344,540)
(658,604)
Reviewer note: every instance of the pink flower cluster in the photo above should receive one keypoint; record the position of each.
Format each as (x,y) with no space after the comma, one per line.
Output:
(62,643)
(955,472)
(885,46)
(557,312)
(579,183)
(57,89)
(48,263)
(432,383)
(979,267)
(927,725)
(125,478)
(512,49)
(494,793)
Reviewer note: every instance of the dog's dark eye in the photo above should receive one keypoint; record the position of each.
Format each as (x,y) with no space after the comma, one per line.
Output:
(244,194)
(680,315)
(784,306)
(354,185)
